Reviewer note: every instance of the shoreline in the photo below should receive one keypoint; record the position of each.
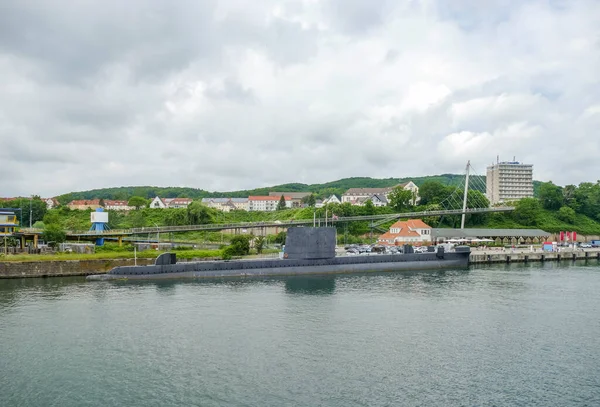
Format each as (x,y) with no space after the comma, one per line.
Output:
(64,268)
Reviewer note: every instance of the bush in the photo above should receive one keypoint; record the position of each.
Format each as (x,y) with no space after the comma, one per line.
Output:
(566,214)
(240,246)
(54,234)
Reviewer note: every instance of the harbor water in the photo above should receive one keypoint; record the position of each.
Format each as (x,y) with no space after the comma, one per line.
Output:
(497,335)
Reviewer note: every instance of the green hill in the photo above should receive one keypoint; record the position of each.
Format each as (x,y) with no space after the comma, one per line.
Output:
(321,190)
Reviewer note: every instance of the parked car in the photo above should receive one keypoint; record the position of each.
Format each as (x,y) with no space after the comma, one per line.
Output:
(585,246)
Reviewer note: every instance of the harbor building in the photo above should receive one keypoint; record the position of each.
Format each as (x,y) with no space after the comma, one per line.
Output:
(509,181)
(412,231)
(8,222)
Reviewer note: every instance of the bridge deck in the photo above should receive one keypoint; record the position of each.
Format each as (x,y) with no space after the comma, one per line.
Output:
(254,225)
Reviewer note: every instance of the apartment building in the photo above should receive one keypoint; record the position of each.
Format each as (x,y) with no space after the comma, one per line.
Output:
(267,203)
(509,181)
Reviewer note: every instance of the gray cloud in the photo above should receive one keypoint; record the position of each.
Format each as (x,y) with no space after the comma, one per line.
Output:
(233,94)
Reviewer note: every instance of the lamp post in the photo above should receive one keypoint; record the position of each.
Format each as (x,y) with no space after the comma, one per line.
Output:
(157,234)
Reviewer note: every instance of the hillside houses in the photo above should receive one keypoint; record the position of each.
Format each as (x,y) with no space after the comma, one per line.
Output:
(354,196)
(379,196)
(93,204)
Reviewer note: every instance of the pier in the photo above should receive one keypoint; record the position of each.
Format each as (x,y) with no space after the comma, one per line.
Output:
(527,256)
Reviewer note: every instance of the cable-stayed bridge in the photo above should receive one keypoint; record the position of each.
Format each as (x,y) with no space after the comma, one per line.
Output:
(467,197)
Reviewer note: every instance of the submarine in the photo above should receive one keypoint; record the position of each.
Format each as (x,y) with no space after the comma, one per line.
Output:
(307,251)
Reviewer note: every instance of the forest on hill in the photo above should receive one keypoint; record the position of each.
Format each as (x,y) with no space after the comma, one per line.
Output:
(320,190)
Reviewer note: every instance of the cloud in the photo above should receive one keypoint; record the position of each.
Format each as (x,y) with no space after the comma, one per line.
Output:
(234,94)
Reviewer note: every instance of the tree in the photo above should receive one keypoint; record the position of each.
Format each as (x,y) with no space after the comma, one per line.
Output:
(369,208)
(198,214)
(101,202)
(566,214)
(432,192)
(54,234)
(527,211)
(240,246)
(551,196)
(280,237)
(137,202)
(34,206)
(175,217)
(309,200)
(569,196)
(281,205)
(259,244)
(400,199)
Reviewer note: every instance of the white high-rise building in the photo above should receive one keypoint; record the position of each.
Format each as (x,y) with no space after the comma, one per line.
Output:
(509,181)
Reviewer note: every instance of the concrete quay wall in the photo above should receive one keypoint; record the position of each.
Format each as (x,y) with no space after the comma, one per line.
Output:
(61,268)
(525,257)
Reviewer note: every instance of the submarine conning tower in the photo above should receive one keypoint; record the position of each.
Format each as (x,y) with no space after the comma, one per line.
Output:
(310,243)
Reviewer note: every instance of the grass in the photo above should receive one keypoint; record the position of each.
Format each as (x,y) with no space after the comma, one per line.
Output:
(148,254)
(113,254)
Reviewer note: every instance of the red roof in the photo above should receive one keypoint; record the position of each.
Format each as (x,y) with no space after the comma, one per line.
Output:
(115,203)
(82,202)
(180,200)
(407,229)
(411,223)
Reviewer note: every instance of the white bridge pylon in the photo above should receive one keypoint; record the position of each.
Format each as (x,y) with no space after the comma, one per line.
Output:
(469,194)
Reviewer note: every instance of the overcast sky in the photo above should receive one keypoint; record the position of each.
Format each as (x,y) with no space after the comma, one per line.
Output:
(231,94)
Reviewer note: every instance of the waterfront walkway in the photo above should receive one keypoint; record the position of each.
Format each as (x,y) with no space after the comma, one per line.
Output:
(525,255)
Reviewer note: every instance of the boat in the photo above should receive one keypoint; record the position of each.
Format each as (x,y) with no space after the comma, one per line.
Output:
(307,251)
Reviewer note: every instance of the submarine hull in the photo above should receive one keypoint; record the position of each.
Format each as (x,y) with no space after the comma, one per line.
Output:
(290,267)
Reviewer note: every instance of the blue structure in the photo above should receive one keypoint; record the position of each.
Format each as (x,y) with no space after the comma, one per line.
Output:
(99,224)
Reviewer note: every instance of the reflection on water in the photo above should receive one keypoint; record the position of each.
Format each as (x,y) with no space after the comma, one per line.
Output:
(310,285)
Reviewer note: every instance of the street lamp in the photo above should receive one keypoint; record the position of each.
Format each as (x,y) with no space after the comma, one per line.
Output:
(157,234)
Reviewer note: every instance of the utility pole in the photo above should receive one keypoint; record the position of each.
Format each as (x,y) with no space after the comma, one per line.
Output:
(462,220)
(30,212)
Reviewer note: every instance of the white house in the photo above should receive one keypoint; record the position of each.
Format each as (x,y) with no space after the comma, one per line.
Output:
(161,203)
(158,203)
(117,205)
(240,203)
(377,200)
(222,204)
(354,195)
(333,199)
(179,202)
(412,231)
(266,203)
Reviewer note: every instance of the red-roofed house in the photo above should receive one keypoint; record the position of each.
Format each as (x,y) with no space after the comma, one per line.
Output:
(51,202)
(179,202)
(83,204)
(117,205)
(412,231)
(267,203)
